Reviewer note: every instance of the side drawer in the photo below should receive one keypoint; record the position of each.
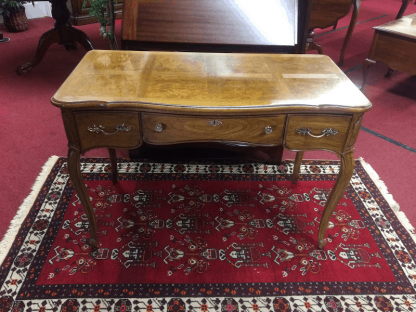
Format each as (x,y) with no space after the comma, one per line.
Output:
(167,129)
(309,132)
(98,129)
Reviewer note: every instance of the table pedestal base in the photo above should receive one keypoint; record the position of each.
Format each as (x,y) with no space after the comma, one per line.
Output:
(63,33)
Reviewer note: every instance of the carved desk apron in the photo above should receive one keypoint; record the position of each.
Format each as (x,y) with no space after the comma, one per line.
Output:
(120,99)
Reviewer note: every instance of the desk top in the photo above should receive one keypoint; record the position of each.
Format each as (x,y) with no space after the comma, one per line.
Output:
(405,26)
(208,81)
(233,22)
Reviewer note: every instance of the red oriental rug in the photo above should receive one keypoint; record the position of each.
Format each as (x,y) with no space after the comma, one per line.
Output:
(205,236)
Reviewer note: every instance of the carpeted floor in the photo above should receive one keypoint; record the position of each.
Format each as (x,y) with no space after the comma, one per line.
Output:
(31,128)
(172,238)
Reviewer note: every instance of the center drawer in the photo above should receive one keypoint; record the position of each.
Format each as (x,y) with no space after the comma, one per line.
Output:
(166,129)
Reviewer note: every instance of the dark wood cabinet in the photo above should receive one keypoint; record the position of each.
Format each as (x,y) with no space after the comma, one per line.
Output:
(80,16)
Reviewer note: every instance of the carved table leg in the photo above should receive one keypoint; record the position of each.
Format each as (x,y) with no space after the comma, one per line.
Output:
(71,35)
(45,41)
(79,186)
(296,167)
(113,159)
(353,21)
(62,33)
(344,177)
(312,45)
(366,64)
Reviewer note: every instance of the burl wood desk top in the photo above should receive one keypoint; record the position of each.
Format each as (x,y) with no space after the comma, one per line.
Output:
(120,99)
(180,80)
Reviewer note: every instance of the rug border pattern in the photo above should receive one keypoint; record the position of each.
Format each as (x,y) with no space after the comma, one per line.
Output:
(24,209)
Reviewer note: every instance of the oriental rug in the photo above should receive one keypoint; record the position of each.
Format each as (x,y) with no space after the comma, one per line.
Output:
(207,236)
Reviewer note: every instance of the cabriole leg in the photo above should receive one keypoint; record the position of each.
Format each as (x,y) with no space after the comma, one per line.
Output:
(296,167)
(113,159)
(343,180)
(79,186)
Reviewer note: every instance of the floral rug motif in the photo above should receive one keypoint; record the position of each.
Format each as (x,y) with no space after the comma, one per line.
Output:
(206,236)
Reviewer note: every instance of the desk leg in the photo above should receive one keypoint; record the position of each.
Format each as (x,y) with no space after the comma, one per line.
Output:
(366,65)
(343,180)
(296,167)
(389,72)
(79,186)
(113,159)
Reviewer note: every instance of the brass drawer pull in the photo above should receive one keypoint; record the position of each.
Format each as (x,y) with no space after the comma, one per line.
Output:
(100,128)
(325,132)
(159,128)
(214,123)
(268,129)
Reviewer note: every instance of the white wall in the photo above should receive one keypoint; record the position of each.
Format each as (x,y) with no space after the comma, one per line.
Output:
(41,9)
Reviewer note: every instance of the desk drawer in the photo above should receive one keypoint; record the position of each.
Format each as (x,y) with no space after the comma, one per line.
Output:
(166,129)
(120,130)
(308,132)
(396,52)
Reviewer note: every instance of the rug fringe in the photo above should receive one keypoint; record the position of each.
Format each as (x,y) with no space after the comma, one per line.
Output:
(389,198)
(8,239)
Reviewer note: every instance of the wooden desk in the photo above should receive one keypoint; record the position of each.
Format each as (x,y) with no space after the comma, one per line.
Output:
(120,99)
(266,26)
(394,44)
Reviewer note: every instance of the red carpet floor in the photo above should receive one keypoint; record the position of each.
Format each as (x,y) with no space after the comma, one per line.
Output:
(31,128)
